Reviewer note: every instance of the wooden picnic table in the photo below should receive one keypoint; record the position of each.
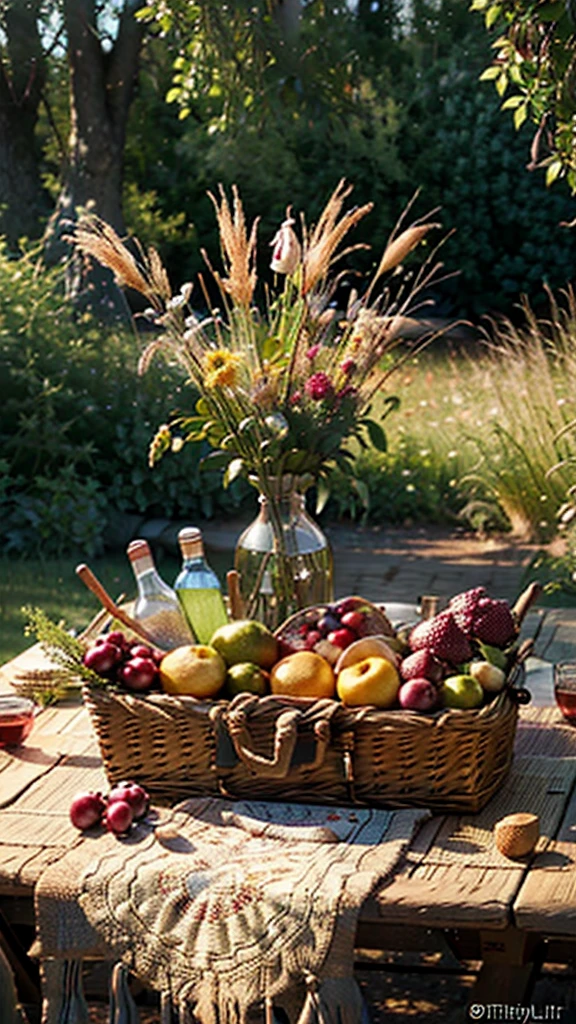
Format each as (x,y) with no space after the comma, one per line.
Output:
(510,915)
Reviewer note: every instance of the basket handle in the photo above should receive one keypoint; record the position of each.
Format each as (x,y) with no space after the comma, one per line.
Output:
(285,737)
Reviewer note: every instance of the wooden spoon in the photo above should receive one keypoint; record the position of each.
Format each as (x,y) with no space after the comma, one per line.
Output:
(89,580)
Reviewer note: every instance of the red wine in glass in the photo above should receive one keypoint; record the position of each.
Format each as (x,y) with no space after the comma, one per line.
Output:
(565,690)
(16,719)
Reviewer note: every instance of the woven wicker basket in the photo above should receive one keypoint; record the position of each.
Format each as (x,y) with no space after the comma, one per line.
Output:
(317,750)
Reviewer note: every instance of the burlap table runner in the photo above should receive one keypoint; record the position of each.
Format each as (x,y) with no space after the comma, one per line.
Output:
(229,907)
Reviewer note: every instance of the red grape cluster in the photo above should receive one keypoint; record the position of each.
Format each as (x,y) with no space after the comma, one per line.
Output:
(130,663)
(126,803)
(340,624)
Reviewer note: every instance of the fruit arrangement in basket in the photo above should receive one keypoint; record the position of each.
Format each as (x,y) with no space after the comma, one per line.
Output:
(349,651)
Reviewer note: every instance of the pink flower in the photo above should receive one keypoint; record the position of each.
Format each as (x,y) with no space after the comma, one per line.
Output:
(347,366)
(319,386)
(295,398)
(313,352)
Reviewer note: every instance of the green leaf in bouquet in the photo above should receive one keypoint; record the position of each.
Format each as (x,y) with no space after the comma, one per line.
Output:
(215,460)
(322,493)
(233,470)
(495,655)
(376,435)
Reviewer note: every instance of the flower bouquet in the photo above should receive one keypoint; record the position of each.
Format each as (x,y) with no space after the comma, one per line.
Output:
(285,385)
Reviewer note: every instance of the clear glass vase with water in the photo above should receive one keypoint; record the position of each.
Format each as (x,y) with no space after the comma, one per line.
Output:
(283,558)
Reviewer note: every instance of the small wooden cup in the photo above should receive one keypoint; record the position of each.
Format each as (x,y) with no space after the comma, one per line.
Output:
(517,834)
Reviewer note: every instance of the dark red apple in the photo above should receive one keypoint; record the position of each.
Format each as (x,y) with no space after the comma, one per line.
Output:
(86,810)
(138,673)
(418,695)
(132,794)
(102,657)
(141,651)
(119,817)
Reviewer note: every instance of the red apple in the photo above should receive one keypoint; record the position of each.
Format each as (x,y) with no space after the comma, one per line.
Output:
(418,695)
(138,673)
(353,620)
(86,810)
(133,794)
(341,637)
(312,639)
(119,817)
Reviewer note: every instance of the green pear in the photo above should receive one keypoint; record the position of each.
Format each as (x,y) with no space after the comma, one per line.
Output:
(246,640)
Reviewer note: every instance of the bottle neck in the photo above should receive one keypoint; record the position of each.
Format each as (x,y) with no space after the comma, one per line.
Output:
(191,544)
(148,579)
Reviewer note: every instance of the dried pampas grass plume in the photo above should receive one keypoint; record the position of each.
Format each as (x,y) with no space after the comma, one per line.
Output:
(238,249)
(327,235)
(94,237)
(399,248)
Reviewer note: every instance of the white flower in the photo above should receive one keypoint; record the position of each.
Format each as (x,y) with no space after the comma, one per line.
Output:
(287,251)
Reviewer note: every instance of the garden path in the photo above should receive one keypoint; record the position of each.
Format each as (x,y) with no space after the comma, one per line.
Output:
(400,564)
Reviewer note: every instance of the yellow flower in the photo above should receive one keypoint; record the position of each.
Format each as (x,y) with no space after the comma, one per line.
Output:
(221,368)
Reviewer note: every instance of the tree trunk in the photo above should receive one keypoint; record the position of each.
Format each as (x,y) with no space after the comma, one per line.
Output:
(23,201)
(101,88)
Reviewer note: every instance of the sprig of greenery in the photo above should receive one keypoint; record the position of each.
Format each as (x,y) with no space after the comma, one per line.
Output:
(533,70)
(60,646)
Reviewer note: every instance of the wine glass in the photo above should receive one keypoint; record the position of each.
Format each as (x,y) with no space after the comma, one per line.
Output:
(565,689)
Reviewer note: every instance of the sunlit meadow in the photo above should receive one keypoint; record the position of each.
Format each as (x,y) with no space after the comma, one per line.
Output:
(479,431)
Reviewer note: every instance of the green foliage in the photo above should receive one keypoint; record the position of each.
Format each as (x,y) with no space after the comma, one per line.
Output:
(534,72)
(507,236)
(60,646)
(389,99)
(75,424)
(408,484)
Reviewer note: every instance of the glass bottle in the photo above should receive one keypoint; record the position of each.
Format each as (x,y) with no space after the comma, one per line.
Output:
(283,558)
(198,587)
(157,606)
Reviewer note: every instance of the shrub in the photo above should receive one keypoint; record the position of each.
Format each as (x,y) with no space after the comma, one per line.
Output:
(75,424)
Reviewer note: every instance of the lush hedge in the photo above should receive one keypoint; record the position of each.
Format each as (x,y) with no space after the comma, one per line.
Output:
(75,425)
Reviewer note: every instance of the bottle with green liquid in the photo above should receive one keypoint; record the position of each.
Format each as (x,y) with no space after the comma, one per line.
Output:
(198,587)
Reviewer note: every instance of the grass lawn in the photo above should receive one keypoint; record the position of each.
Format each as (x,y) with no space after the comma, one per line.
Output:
(54,586)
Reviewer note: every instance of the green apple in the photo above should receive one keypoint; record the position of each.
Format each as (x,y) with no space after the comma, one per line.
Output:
(462,691)
(490,677)
(245,677)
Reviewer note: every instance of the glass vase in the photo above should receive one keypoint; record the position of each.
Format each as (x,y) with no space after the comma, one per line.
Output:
(283,558)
